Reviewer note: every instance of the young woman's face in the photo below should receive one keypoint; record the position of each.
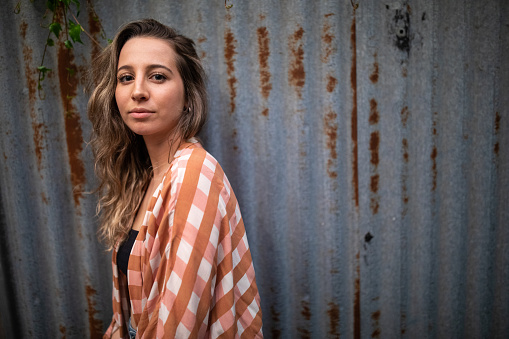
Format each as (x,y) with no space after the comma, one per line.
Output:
(150,91)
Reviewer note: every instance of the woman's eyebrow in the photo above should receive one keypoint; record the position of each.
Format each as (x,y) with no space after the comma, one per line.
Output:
(149,67)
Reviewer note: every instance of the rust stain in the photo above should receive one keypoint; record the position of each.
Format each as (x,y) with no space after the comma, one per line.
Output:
(404,144)
(331,132)
(306,312)
(405,113)
(433,157)
(331,83)
(357,300)
(229,56)
(403,323)
(374,75)
(327,38)
(94,28)
(44,198)
(62,331)
(201,39)
(353,81)
(328,15)
(374,204)
(296,73)
(374,144)
(263,58)
(95,325)
(276,332)
(265,112)
(38,129)
(375,316)
(74,134)
(333,312)
(404,72)
(374,183)
(262,17)
(374,116)
(496,148)
(497,122)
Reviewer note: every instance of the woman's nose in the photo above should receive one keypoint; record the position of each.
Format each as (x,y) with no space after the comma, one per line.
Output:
(140,91)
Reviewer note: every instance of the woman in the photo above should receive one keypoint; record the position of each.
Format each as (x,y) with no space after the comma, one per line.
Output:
(181,262)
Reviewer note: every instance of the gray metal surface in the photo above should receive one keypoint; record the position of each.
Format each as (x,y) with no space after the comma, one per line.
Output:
(367,145)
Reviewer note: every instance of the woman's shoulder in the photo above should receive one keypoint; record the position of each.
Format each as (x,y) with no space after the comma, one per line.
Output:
(193,159)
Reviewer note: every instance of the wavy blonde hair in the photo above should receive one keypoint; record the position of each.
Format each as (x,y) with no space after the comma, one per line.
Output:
(122,163)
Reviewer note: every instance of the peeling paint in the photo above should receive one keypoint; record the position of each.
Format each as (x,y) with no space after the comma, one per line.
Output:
(333,312)
(374,116)
(229,56)
(353,82)
(374,75)
(74,134)
(331,83)
(95,325)
(327,38)
(296,72)
(331,130)
(263,58)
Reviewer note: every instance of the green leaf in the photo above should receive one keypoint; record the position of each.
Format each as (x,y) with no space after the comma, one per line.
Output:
(109,41)
(51,5)
(43,70)
(75,31)
(71,71)
(50,42)
(68,44)
(55,28)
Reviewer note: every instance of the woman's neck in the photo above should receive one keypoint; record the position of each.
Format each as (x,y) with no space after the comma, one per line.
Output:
(161,153)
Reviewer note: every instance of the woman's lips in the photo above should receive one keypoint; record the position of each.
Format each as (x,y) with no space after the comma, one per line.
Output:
(140,113)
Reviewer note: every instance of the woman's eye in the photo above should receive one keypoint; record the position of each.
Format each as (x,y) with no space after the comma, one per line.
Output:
(158,77)
(125,78)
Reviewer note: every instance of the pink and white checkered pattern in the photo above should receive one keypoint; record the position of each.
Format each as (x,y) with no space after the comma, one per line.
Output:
(190,272)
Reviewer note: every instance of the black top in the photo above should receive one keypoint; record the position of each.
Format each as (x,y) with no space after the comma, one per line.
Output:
(124,251)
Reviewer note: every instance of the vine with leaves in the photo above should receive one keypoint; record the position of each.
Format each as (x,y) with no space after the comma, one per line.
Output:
(64,21)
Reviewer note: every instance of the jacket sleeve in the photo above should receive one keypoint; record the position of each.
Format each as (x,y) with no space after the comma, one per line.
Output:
(204,285)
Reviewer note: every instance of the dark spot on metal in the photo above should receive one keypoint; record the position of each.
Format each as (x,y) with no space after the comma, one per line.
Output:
(368,237)
(95,325)
(374,183)
(44,198)
(496,148)
(404,72)
(401,26)
(306,312)
(374,75)
(265,112)
(423,16)
(373,112)
(62,331)
(357,300)
(275,331)
(333,312)
(229,56)
(404,115)
(95,30)
(296,73)
(386,6)
(403,323)
(497,122)
(5,156)
(331,83)
(404,143)
(409,9)
(74,134)
(263,58)
(374,143)
(433,157)
(353,82)
(331,131)
(375,316)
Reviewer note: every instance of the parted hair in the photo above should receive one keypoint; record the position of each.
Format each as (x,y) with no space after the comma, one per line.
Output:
(122,163)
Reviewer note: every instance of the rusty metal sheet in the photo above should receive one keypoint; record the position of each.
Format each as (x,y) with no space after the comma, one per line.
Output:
(366,142)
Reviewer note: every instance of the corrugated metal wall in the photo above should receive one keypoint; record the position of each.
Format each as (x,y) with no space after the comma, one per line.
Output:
(367,142)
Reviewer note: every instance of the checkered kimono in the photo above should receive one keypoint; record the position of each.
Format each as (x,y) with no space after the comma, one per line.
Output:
(190,272)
